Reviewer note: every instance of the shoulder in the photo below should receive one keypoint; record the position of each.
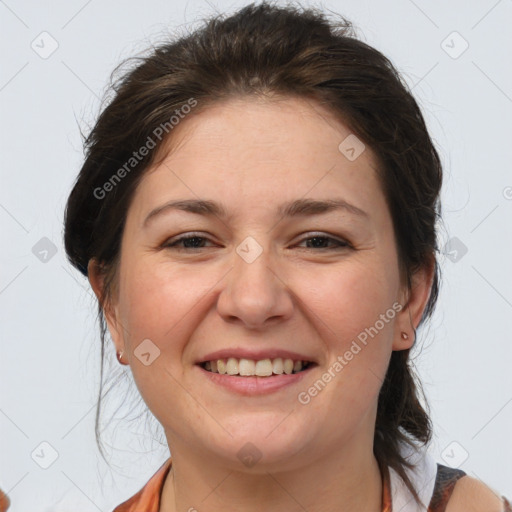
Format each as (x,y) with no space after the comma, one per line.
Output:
(472,495)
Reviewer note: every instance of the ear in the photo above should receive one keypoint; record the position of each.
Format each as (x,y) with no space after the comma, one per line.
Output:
(414,302)
(96,276)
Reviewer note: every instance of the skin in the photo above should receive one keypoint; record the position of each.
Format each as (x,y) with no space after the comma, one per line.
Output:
(251,155)
(473,495)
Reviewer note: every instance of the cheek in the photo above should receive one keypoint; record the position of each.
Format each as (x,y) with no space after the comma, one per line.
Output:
(351,298)
(158,302)
(353,314)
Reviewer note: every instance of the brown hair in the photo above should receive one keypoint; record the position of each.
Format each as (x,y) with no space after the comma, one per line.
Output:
(263,49)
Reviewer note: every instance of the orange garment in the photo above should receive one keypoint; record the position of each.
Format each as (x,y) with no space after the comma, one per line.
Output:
(148,498)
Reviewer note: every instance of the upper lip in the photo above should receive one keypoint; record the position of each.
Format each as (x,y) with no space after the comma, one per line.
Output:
(256,355)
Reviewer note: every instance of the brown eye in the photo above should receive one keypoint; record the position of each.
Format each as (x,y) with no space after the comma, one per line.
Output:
(186,242)
(322,241)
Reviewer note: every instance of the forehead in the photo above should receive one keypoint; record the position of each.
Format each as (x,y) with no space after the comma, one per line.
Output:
(270,127)
(253,151)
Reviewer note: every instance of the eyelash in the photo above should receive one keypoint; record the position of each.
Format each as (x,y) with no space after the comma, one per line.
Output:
(341,244)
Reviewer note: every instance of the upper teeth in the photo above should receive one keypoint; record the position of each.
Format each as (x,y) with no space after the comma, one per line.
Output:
(248,367)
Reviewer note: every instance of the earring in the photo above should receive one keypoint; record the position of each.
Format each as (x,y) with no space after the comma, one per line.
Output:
(404,335)
(119,357)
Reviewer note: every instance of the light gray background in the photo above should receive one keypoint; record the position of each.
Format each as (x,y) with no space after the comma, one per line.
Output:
(49,368)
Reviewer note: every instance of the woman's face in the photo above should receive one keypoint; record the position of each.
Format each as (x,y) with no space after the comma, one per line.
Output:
(316,284)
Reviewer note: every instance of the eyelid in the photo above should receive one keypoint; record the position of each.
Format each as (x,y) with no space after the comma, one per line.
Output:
(322,234)
(167,243)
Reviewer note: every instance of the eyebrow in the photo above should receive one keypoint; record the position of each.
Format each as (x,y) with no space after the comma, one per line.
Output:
(296,208)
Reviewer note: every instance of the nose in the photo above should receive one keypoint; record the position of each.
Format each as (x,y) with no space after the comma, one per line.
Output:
(255,294)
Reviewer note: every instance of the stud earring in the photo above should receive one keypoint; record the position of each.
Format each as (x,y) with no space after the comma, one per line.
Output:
(120,356)
(404,335)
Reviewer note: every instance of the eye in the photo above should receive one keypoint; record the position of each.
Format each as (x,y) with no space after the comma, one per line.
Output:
(190,241)
(193,241)
(319,242)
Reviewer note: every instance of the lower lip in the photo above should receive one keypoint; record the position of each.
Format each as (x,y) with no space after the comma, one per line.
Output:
(249,386)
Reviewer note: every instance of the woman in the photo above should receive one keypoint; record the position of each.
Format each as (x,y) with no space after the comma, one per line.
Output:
(256,216)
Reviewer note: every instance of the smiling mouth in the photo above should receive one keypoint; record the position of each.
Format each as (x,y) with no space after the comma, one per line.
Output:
(250,368)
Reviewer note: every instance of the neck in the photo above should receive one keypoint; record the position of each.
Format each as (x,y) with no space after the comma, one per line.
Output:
(343,481)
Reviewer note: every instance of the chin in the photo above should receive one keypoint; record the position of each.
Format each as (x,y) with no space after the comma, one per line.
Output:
(263,444)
